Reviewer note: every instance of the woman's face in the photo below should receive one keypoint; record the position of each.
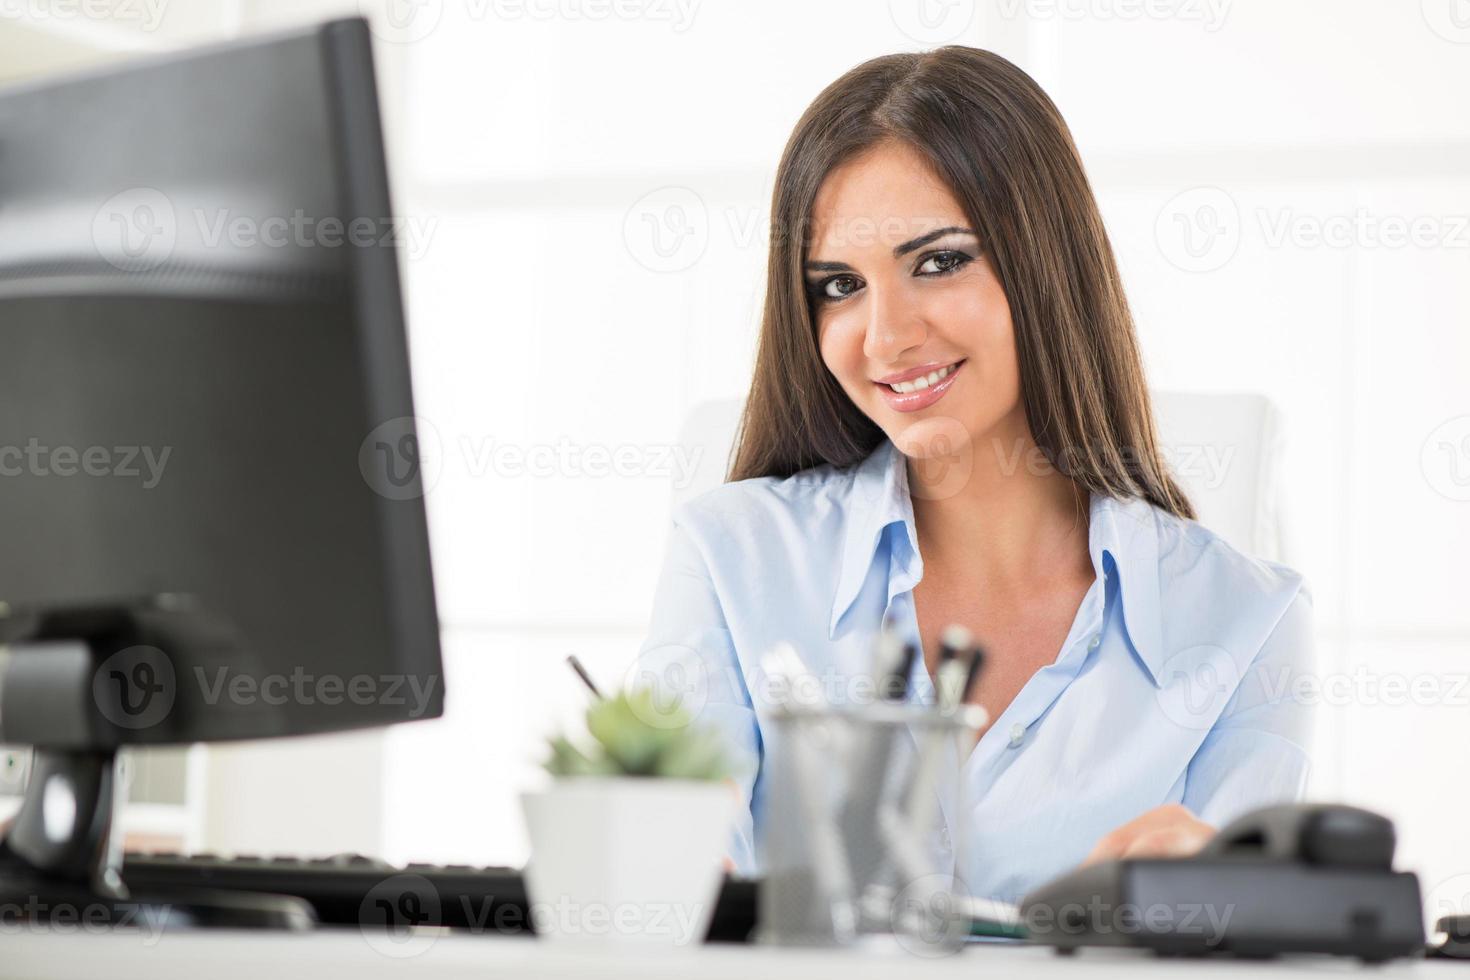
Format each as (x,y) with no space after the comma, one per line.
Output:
(911,318)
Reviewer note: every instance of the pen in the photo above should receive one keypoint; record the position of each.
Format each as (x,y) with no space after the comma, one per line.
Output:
(897,688)
(953,641)
(829,865)
(949,676)
(972,678)
(793,684)
(581,672)
(866,770)
(888,659)
(921,796)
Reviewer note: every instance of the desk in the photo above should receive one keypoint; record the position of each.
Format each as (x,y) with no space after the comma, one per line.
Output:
(345,954)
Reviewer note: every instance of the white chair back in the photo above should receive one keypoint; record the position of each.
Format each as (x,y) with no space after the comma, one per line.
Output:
(1225,451)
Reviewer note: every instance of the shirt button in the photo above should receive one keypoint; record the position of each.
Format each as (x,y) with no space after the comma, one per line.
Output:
(944,838)
(1018,734)
(1095,642)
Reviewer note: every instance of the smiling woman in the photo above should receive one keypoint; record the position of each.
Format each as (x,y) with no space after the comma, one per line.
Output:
(942,303)
(913,153)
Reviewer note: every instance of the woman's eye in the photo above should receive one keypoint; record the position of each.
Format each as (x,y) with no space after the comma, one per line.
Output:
(837,287)
(939,263)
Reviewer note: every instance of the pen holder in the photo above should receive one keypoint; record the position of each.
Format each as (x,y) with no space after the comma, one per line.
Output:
(854,845)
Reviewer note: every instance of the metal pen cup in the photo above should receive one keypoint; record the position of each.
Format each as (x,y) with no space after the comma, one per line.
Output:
(852,809)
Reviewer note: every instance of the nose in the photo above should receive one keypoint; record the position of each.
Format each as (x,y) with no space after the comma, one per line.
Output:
(894,325)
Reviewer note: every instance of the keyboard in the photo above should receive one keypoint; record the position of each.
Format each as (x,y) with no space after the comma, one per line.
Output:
(354,890)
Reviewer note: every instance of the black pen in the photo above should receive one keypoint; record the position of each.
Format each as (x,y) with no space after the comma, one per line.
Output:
(953,641)
(972,679)
(897,686)
(949,676)
(576,665)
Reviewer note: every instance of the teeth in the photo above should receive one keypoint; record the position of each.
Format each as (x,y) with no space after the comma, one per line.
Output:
(925,381)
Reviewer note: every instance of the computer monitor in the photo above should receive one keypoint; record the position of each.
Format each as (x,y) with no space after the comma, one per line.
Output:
(210,494)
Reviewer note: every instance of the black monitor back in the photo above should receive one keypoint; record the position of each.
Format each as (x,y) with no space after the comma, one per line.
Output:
(204,386)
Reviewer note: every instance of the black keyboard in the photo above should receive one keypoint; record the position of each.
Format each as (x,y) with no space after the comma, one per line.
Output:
(350,889)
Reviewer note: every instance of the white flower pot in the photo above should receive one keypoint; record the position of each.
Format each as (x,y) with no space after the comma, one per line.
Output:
(625,859)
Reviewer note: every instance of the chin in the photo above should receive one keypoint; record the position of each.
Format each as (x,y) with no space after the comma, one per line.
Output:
(940,453)
(931,437)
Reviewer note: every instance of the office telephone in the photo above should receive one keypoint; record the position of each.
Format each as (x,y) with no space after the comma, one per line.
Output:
(1298,878)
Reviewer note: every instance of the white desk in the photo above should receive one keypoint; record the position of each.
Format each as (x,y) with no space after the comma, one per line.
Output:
(347,955)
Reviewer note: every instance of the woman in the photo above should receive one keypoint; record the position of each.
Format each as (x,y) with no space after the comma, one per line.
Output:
(949,423)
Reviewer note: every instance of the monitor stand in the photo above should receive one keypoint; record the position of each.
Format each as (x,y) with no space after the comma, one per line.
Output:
(60,862)
(61,858)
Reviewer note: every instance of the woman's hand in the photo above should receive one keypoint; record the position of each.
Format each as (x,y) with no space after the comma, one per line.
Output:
(1165,831)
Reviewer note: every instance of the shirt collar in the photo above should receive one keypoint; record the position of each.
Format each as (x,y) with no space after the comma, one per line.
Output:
(1125,535)
(1122,541)
(878,498)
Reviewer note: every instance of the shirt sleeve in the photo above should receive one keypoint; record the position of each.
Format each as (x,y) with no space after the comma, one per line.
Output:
(1258,752)
(688,655)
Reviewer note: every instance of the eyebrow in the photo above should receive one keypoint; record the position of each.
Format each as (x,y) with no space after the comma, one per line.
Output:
(899,251)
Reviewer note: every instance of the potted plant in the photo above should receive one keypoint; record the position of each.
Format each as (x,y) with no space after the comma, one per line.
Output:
(628,842)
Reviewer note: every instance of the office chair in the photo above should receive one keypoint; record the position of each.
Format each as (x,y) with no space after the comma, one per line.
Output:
(1224,449)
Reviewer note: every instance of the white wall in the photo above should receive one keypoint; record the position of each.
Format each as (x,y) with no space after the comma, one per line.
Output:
(539,154)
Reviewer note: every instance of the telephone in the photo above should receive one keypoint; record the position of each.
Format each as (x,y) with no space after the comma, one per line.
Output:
(1298,878)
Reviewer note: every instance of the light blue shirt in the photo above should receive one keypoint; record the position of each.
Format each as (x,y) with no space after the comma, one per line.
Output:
(1177,682)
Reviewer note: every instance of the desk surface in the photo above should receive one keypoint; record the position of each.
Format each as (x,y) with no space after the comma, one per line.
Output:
(347,954)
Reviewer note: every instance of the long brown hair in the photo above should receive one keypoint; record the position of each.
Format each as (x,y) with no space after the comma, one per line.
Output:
(996,139)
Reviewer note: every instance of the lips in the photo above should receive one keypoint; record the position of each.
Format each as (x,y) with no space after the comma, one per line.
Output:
(917,398)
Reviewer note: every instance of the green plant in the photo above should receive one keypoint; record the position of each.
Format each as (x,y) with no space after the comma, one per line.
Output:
(633,736)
